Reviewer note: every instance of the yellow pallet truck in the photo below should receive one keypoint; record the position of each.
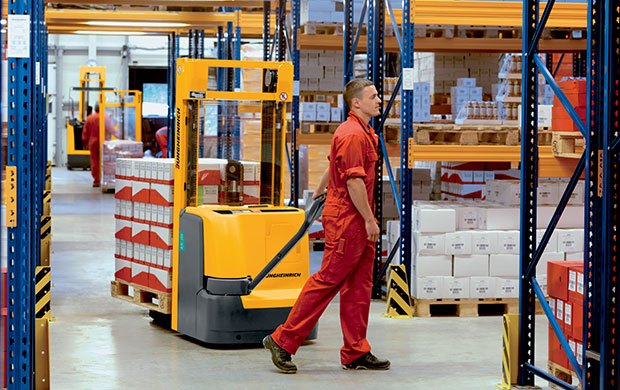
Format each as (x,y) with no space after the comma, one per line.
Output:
(237,270)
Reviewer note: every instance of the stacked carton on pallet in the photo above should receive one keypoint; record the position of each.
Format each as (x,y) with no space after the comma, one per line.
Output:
(112,151)
(464,92)
(566,297)
(144,214)
(471,250)
(467,181)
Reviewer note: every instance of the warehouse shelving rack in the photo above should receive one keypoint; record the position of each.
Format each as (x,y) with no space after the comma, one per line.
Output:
(27,138)
(600,162)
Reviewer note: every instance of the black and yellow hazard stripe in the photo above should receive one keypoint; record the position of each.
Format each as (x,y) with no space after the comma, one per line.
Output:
(43,288)
(46,240)
(48,176)
(398,298)
(510,350)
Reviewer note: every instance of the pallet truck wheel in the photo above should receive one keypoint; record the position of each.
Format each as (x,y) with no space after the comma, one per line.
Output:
(161,319)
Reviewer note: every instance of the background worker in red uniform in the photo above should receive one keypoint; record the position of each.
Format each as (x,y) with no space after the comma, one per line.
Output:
(350,235)
(161,136)
(90,138)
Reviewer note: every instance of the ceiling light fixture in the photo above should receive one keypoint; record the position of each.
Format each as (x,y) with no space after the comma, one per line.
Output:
(116,23)
(99,32)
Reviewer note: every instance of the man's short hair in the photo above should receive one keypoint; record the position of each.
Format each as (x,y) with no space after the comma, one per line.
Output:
(354,88)
(96,107)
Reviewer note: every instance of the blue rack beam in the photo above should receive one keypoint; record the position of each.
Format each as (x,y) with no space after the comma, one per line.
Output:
(593,201)
(529,178)
(296,19)
(375,72)
(22,238)
(610,294)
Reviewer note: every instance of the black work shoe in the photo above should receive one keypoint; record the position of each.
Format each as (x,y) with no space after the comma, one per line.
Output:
(368,362)
(280,357)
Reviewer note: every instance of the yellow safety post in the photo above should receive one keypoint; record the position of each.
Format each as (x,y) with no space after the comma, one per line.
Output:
(398,298)
(510,351)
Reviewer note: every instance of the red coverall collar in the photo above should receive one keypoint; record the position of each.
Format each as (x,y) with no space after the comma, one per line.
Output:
(367,128)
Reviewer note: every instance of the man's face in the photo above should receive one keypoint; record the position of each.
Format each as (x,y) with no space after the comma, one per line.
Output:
(369,102)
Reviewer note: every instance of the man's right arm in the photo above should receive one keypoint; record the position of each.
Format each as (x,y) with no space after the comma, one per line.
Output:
(322,187)
(357,192)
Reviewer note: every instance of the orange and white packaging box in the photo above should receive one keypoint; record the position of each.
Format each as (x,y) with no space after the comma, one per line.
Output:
(140,192)
(140,233)
(122,269)
(168,213)
(127,209)
(162,194)
(118,251)
(167,259)
(507,287)
(123,229)
(138,253)
(209,171)
(161,237)
(482,287)
(251,194)
(157,213)
(136,165)
(165,170)
(118,207)
(123,189)
(160,280)
(152,168)
(140,274)
(151,255)
(138,211)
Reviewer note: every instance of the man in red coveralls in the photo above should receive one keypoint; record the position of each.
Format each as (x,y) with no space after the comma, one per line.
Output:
(90,137)
(350,235)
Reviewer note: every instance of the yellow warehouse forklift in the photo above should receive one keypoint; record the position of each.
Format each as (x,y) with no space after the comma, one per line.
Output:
(237,270)
(78,155)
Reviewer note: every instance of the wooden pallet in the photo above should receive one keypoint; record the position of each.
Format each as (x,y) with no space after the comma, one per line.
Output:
(567,144)
(440,99)
(142,296)
(466,137)
(319,127)
(320,28)
(434,31)
(468,307)
(487,32)
(561,373)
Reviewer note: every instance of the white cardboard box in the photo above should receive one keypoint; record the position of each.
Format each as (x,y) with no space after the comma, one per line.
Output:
(466,218)
(507,288)
(552,245)
(432,266)
(458,243)
(428,287)
(498,218)
(570,240)
(506,266)
(548,192)
(427,244)
(508,242)
(574,256)
(455,288)
(472,265)
(482,287)
(484,242)
(434,220)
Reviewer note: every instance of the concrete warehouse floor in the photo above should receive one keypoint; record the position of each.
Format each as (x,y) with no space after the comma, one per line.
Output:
(99,342)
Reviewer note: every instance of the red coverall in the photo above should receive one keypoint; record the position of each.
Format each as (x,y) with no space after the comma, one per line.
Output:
(348,258)
(90,138)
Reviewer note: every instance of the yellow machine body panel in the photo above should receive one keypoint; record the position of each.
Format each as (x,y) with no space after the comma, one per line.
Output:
(240,241)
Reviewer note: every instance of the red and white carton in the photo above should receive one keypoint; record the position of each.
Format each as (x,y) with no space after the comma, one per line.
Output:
(127,209)
(140,274)
(162,194)
(161,237)
(123,189)
(160,279)
(122,269)
(168,213)
(251,194)
(141,192)
(209,171)
(165,171)
(140,233)
(123,230)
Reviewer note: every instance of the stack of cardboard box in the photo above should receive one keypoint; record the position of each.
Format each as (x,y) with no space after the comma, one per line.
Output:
(113,150)
(566,297)
(575,90)
(467,181)
(144,213)
(321,70)
(471,250)
(465,91)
